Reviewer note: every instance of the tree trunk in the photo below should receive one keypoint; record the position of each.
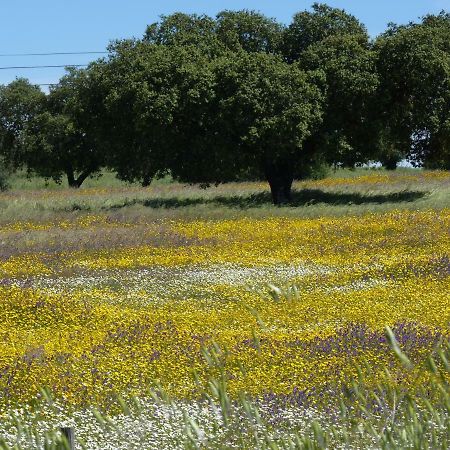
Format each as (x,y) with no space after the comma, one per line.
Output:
(280,177)
(76,182)
(390,163)
(146,180)
(71,178)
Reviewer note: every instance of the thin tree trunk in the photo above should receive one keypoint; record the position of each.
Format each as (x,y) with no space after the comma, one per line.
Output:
(82,177)
(71,178)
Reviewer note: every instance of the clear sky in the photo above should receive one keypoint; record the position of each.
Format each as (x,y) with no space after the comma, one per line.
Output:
(40,26)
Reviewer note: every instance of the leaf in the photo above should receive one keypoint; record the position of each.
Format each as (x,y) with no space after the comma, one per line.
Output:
(397,350)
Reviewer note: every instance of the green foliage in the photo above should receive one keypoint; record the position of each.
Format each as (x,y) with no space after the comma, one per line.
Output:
(309,28)
(154,94)
(315,169)
(204,119)
(331,40)
(20,102)
(253,120)
(249,31)
(51,135)
(206,100)
(59,140)
(240,96)
(244,30)
(185,30)
(260,112)
(389,153)
(346,132)
(413,63)
(265,109)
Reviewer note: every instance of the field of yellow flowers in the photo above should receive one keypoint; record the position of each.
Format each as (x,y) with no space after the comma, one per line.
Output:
(92,307)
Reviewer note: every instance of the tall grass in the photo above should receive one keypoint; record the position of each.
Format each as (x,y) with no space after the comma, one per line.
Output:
(389,416)
(345,192)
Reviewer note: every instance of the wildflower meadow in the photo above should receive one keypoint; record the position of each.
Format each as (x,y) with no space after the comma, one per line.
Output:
(227,329)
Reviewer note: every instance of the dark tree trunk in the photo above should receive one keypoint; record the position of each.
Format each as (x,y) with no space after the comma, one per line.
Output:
(83,177)
(280,177)
(146,180)
(76,182)
(390,163)
(71,178)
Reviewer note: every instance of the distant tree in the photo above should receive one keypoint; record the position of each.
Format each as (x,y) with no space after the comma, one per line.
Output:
(207,119)
(230,30)
(20,102)
(331,40)
(413,63)
(146,85)
(311,27)
(347,134)
(260,114)
(58,140)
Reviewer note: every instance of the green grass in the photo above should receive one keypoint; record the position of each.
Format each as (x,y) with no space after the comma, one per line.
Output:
(106,179)
(345,192)
(22,181)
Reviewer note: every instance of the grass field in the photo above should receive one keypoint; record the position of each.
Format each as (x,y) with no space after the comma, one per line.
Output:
(173,316)
(344,192)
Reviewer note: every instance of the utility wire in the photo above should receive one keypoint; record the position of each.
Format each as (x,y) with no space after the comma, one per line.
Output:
(52,53)
(2,55)
(42,67)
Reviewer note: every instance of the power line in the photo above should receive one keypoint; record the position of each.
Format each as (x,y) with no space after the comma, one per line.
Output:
(43,67)
(48,66)
(52,53)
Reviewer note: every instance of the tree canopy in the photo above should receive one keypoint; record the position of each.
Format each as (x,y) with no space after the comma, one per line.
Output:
(259,114)
(413,63)
(311,27)
(20,102)
(346,131)
(240,96)
(249,31)
(50,134)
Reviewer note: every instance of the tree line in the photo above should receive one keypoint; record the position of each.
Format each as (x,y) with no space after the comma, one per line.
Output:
(237,97)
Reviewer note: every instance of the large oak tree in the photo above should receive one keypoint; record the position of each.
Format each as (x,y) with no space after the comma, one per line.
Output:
(414,94)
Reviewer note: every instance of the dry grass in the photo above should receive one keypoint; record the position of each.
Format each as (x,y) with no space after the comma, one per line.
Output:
(344,193)
(131,216)
(56,240)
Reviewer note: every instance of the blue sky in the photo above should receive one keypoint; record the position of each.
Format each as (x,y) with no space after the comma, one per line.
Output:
(30,26)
